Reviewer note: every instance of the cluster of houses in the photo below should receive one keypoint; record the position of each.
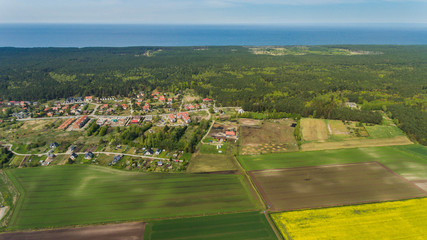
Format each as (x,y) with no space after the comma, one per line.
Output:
(21,114)
(150,152)
(64,109)
(107,109)
(161,97)
(73,100)
(19,103)
(182,115)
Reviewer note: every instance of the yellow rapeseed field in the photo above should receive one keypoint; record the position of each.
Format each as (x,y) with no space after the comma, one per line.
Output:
(389,220)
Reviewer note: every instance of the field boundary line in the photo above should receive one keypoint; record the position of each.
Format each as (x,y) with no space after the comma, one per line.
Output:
(403,178)
(17,201)
(253,187)
(317,166)
(274,227)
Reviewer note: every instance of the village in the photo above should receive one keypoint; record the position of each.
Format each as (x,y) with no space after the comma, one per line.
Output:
(88,124)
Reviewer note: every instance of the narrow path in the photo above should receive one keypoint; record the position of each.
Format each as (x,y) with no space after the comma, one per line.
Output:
(273,226)
(207,133)
(95,109)
(260,198)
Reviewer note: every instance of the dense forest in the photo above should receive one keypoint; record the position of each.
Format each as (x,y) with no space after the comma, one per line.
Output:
(392,80)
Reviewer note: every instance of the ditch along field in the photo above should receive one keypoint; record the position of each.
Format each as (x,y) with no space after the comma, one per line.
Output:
(388,220)
(79,195)
(331,185)
(410,161)
(267,137)
(323,134)
(134,231)
(250,226)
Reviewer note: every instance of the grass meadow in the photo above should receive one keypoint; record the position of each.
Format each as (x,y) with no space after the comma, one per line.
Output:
(79,195)
(249,225)
(389,220)
(408,160)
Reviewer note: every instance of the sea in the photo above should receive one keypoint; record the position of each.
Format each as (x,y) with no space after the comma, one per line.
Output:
(124,35)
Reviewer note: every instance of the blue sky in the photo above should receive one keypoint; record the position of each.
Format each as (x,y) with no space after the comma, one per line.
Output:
(214,11)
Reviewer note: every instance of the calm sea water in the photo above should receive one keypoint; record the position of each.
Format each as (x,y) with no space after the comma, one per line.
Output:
(71,35)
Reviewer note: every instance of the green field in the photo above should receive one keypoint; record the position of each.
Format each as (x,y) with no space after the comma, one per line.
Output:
(78,195)
(250,225)
(211,163)
(6,197)
(212,149)
(384,131)
(409,160)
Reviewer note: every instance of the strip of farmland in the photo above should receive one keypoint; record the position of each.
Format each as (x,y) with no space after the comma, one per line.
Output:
(389,220)
(134,231)
(332,185)
(80,195)
(409,161)
(244,226)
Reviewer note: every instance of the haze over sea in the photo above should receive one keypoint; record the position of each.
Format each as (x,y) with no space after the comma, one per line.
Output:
(89,35)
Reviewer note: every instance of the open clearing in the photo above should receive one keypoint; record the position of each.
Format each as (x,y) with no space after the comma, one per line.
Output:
(270,136)
(314,129)
(134,231)
(410,161)
(80,195)
(324,134)
(352,143)
(250,225)
(331,185)
(211,163)
(390,220)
